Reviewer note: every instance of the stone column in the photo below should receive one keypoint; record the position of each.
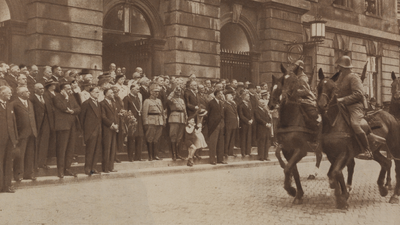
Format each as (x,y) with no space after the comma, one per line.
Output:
(158,56)
(280,23)
(65,33)
(192,29)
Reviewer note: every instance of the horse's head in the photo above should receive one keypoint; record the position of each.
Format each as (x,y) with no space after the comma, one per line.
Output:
(283,88)
(326,90)
(395,87)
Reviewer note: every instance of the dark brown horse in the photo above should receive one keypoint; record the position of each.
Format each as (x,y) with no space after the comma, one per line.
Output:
(395,101)
(292,134)
(340,145)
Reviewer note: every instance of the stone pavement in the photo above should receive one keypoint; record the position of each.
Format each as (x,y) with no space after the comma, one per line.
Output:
(226,196)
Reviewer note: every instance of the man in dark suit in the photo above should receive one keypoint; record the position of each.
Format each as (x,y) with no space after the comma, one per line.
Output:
(144,88)
(216,128)
(231,123)
(263,120)
(66,110)
(133,103)
(46,76)
(12,76)
(110,128)
(120,135)
(8,139)
(191,98)
(49,93)
(44,117)
(246,116)
(27,133)
(254,104)
(56,76)
(90,118)
(33,72)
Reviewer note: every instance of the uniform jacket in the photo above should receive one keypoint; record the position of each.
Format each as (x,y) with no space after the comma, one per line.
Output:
(90,118)
(64,120)
(178,110)
(153,112)
(350,88)
(26,124)
(231,116)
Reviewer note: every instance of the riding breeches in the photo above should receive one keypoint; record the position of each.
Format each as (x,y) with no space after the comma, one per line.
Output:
(356,115)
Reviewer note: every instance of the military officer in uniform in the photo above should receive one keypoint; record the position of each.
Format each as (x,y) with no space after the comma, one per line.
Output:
(153,120)
(350,94)
(176,120)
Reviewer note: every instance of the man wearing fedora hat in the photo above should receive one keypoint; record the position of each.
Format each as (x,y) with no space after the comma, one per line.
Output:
(350,93)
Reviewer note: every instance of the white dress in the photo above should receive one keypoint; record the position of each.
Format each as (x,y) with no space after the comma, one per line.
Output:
(200,140)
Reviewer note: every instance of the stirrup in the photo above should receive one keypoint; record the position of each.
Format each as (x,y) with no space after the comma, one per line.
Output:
(367,155)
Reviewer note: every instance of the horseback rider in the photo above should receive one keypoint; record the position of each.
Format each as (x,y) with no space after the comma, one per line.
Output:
(350,94)
(307,98)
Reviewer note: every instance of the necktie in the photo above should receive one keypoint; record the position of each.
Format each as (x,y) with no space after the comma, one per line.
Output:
(42,100)
(25,104)
(3,104)
(95,102)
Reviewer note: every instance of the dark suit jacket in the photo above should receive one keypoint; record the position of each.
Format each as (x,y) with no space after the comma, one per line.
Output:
(3,82)
(191,101)
(163,97)
(25,117)
(254,101)
(42,80)
(12,82)
(215,115)
(245,113)
(42,109)
(109,115)
(128,105)
(8,128)
(231,116)
(64,120)
(31,83)
(262,118)
(145,93)
(56,79)
(90,118)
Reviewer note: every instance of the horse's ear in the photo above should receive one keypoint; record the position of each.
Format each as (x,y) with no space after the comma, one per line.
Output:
(336,76)
(283,69)
(393,76)
(321,74)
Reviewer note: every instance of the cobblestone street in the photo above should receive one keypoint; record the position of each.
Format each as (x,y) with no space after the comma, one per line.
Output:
(227,196)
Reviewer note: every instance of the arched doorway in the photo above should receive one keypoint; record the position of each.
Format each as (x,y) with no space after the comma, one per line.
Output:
(235,53)
(126,39)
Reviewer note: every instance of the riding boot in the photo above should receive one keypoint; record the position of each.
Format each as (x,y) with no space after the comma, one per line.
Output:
(366,150)
(177,152)
(155,151)
(173,149)
(150,150)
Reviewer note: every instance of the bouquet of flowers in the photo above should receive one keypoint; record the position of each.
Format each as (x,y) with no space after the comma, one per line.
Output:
(129,121)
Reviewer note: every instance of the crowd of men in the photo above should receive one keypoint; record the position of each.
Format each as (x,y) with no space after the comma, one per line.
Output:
(55,113)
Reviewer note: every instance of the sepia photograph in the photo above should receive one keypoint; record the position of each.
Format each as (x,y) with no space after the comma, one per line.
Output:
(167,112)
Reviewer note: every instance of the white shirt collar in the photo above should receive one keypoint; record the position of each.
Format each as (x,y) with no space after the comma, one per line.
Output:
(24,101)
(38,96)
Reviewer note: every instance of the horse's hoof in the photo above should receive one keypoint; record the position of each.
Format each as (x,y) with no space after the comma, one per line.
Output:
(349,188)
(311,177)
(291,191)
(383,191)
(389,187)
(394,200)
(297,201)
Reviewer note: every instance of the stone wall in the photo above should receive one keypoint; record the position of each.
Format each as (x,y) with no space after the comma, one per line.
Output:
(65,33)
(192,30)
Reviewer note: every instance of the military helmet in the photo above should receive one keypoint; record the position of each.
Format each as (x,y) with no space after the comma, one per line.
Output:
(344,62)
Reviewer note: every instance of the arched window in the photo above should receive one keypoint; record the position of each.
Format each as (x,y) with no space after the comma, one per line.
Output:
(4,11)
(127,19)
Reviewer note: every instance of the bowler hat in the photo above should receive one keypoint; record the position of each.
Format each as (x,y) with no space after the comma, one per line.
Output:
(50,82)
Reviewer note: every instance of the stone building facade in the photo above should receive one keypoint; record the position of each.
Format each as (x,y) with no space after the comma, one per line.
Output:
(242,39)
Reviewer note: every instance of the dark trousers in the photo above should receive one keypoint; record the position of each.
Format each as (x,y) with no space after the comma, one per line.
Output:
(93,150)
(6,163)
(120,141)
(24,161)
(263,144)
(109,147)
(216,143)
(42,141)
(52,145)
(230,135)
(253,137)
(245,135)
(65,149)
(135,146)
